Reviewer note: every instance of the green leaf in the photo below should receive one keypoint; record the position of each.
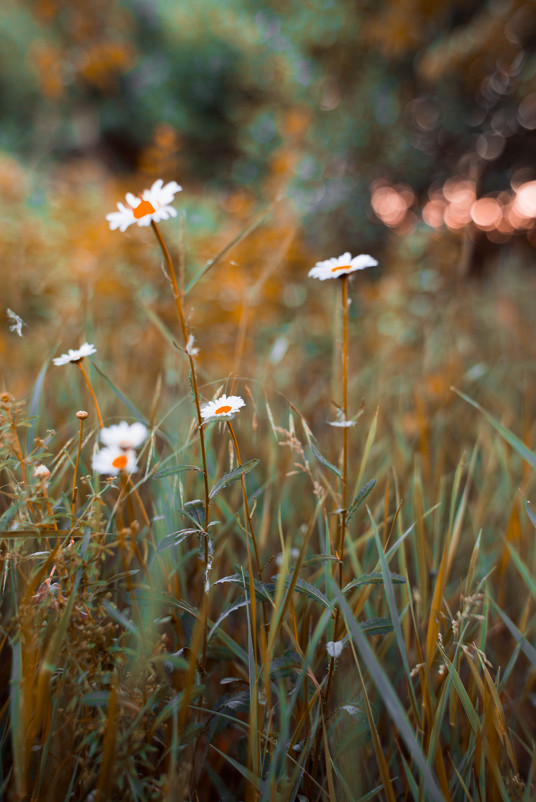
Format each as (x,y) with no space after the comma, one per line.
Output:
(374,578)
(118,616)
(530,512)
(174,539)
(232,476)
(177,469)
(360,498)
(376,626)
(313,445)
(307,589)
(194,511)
(96,698)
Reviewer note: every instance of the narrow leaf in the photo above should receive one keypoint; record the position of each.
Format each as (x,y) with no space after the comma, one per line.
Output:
(177,469)
(509,436)
(374,578)
(232,476)
(360,498)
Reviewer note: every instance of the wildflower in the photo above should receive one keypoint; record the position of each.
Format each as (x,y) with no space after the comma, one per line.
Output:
(75,356)
(341,266)
(334,647)
(124,436)
(112,460)
(223,407)
(153,204)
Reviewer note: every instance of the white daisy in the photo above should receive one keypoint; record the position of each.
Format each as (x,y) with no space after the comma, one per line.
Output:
(152,204)
(124,435)
(341,266)
(111,460)
(75,356)
(223,407)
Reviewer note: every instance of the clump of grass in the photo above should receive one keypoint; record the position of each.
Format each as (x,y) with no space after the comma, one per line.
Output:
(255,609)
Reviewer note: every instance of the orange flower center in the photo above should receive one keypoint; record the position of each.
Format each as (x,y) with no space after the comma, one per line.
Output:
(120,462)
(342,267)
(142,209)
(223,410)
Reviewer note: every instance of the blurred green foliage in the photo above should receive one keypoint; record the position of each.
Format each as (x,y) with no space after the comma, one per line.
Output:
(410,92)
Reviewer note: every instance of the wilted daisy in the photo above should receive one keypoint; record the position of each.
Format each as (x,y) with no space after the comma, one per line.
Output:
(223,407)
(124,435)
(341,266)
(75,355)
(152,204)
(112,460)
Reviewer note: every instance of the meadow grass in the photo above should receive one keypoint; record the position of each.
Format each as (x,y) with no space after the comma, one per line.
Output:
(272,607)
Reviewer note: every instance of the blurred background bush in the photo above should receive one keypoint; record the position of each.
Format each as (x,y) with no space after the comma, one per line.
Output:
(344,102)
(401,128)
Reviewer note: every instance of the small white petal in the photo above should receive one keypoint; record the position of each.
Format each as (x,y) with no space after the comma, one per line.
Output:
(334,647)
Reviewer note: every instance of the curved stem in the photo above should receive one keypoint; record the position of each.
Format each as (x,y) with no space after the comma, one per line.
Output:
(80,364)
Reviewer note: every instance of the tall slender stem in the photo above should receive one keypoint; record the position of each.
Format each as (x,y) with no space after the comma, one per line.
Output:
(344,488)
(246,503)
(82,415)
(344,499)
(80,364)
(184,329)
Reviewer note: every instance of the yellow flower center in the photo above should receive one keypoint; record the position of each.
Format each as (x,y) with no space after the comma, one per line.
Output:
(120,462)
(142,209)
(342,267)
(223,410)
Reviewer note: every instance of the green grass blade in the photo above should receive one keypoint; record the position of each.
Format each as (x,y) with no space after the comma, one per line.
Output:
(509,436)
(390,699)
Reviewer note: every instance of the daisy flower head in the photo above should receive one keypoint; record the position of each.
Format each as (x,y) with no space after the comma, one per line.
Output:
(341,266)
(152,204)
(124,436)
(112,460)
(225,407)
(75,355)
